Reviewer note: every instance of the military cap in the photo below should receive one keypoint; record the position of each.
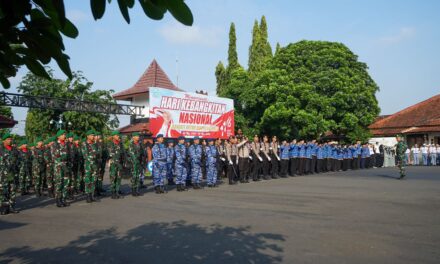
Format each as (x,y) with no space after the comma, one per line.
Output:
(181,137)
(134,134)
(69,135)
(209,140)
(196,137)
(90,132)
(170,141)
(60,132)
(116,132)
(6,136)
(76,138)
(159,136)
(38,139)
(23,142)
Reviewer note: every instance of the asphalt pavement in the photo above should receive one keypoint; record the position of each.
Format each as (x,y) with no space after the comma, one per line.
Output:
(363,216)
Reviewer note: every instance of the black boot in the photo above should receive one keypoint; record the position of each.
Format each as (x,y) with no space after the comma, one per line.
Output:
(50,193)
(38,193)
(114,195)
(156,189)
(3,209)
(59,204)
(179,187)
(161,189)
(134,192)
(171,182)
(64,202)
(139,193)
(89,198)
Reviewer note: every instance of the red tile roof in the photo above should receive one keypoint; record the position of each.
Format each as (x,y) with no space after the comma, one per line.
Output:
(419,118)
(138,127)
(154,76)
(6,122)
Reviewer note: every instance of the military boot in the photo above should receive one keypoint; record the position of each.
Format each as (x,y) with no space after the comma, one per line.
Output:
(59,203)
(3,209)
(64,202)
(89,198)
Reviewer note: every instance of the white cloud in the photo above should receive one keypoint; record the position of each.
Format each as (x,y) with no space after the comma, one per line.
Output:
(179,34)
(77,16)
(403,34)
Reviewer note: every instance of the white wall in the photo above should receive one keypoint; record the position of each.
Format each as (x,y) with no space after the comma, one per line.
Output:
(386,141)
(143,100)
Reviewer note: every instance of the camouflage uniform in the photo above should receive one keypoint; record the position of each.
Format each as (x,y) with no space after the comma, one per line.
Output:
(116,157)
(75,183)
(25,170)
(49,169)
(135,156)
(8,159)
(61,160)
(38,169)
(90,153)
(99,166)
(400,155)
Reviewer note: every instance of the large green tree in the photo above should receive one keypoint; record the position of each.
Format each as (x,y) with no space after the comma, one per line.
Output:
(31,31)
(260,51)
(38,121)
(311,87)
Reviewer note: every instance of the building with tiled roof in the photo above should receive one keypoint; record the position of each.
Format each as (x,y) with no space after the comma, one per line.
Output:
(138,94)
(419,123)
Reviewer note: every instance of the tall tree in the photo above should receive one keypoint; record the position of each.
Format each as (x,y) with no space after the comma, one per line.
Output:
(266,49)
(253,60)
(38,120)
(31,31)
(232,50)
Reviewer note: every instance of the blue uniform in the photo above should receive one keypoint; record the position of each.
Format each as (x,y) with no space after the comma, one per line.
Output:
(211,164)
(308,151)
(159,164)
(170,157)
(302,151)
(195,153)
(180,164)
(319,153)
(285,152)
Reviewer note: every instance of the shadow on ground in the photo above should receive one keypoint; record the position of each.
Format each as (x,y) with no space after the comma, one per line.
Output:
(176,242)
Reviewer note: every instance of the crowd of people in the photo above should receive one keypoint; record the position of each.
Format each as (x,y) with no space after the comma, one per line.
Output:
(65,166)
(426,155)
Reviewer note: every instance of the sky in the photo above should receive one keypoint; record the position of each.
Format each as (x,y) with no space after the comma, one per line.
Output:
(398,40)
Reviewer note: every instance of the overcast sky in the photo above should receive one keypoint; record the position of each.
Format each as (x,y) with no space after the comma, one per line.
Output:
(399,40)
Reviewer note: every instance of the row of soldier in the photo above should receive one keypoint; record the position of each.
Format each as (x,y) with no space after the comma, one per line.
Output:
(67,165)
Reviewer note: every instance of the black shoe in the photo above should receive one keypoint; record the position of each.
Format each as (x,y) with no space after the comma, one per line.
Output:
(134,193)
(139,193)
(161,189)
(89,198)
(94,199)
(184,188)
(59,204)
(12,210)
(156,189)
(4,210)
(179,187)
(65,203)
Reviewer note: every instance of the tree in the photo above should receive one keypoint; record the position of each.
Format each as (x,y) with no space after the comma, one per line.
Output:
(311,87)
(38,120)
(260,51)
(232,50)
(220,75)
(6,111)
(31,31)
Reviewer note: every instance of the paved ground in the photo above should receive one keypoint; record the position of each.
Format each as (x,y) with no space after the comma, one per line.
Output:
(351,217)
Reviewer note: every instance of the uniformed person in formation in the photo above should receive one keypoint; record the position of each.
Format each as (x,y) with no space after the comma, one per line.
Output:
(116,157)
(25,167)
(8,159)
(243,159)
(135,156)
(159,152)
(256,159)
(48,159)
(400,155)
(180,164)
(89,151)
(265,149)
(211,155)
(38,167)
(195,153)
(273,151)
(232,159)
(61,157)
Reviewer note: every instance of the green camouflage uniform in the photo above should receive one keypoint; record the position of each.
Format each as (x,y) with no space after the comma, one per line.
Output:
(99,167)
(116,157)
(81,173)
(38,169)
(61,159)
(90,152)
(135,156)
(8,159)
(49,168)
(75,161)
(400,155)
(25,170)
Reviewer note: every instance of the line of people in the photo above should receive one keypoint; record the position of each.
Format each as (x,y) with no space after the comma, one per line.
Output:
(66,166)
(426,155)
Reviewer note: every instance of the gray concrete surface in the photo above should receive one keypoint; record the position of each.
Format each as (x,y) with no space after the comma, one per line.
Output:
(348,217)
